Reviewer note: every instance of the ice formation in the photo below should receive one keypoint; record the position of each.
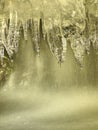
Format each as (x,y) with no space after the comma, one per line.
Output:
(56,22)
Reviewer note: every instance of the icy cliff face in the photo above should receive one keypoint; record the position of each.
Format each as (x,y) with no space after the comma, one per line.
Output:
(54,21)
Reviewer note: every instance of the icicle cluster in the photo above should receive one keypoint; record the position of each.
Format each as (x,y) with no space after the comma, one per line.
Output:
(57,37)
(9,38)
(55,32)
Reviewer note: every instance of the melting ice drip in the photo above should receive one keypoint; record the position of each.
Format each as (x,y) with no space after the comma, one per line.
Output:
(56,35)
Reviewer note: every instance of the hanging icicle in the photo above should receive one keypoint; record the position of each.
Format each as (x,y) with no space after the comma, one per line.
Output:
(36,36)
(25,30)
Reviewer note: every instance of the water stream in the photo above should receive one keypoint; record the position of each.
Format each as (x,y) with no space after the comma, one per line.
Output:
(42,95)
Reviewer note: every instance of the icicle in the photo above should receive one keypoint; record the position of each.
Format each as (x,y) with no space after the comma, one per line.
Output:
(16,19)
(44,32)
(64,47)
(3,32)
(36,36)
(78,49)
(1,49)
(16,40)
(25,29)
(1,53)
(2,41)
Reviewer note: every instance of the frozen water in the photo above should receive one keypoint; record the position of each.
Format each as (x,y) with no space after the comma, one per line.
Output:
(59,19)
